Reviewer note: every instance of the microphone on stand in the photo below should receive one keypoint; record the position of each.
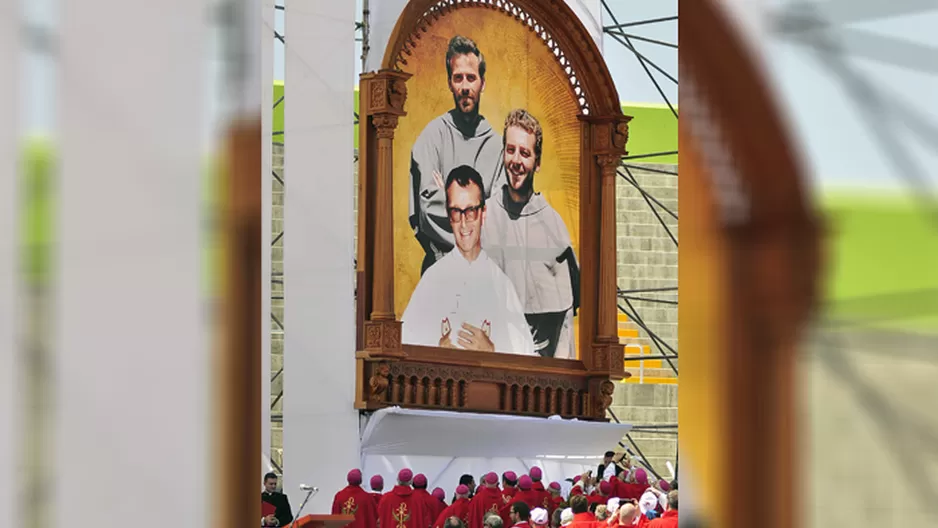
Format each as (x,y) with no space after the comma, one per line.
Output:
(310,491)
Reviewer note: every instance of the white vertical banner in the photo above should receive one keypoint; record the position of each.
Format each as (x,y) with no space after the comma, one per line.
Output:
(266,38)
(132,352)
(10,403)
(321,436)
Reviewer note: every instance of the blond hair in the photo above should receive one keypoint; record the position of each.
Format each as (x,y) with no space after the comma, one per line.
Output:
(522,119)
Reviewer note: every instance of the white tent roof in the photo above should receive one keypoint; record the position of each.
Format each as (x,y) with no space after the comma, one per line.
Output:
(444,445)
(397,431)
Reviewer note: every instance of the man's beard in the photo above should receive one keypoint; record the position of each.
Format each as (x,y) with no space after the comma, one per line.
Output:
(527,186)
(457,103)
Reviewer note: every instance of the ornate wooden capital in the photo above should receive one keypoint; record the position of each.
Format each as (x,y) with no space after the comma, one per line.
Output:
(608,357)
(387,92)
(383,339)
(385,125)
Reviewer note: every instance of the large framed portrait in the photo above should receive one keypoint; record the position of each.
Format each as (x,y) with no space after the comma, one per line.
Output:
(486,227)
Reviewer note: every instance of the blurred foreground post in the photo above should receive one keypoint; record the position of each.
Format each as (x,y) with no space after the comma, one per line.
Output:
(238,374)
(748,276)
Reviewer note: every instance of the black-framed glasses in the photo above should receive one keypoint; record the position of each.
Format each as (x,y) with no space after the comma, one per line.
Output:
(469,213)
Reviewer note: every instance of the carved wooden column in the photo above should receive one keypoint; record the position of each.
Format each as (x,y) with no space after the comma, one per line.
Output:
(608,141)
(387,91)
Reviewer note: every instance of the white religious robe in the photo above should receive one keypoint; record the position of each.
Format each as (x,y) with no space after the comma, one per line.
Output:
(472,292)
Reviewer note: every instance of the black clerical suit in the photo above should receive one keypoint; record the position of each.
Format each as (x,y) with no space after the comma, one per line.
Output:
(602,469)
(278,500)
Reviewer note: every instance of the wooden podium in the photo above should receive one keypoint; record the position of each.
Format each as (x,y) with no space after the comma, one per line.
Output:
(322,521)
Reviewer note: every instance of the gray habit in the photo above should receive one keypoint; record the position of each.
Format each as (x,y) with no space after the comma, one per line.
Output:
(441,147)
(532,245)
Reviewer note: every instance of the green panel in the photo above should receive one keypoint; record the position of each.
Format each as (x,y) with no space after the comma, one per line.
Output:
(653,129)
(881,246)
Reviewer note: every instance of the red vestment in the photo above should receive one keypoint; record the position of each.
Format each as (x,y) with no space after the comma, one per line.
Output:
(486,500)
(376,495)
(353,500)
(555,503)
(509,493)
(399,508)
(585,520)
(431,503)
(668,519)
(460,509)
(598,498)
(543,496)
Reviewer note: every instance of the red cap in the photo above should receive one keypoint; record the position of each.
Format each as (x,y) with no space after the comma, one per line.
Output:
(462,489)
(439,493)
(640,476)
(605,487)
(490,478)
(377,482)
(525,483)
(554,486)
(354,477)
(405,476)
(510,475)
(536,474)
(664,485)
(420,480)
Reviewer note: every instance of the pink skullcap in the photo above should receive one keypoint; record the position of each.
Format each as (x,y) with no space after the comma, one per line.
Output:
(354,477)
(525,482)
(640,476)
(664,485)
(554,486)
(462,489)
(377,482)
(405,475)
(510,475)
(536,473)
(490,478)
(420,480)
(439,493)
(605,487)
(576,479)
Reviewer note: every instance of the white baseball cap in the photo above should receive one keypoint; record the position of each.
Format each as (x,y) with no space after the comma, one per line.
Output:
(539,516)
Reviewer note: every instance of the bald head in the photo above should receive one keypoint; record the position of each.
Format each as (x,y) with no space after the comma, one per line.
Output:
(627,514)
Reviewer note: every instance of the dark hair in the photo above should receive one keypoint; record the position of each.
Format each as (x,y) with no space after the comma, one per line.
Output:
(460,45)
(509,481)
(454,522)
(579,504)
(555,517)
(466,479)
(610,454)
(522,509)
(270,475)
(463,175)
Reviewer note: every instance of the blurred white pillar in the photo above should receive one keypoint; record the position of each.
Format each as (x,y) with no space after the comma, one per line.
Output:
(10,426)
(132,356)
(266,37)
(321,437)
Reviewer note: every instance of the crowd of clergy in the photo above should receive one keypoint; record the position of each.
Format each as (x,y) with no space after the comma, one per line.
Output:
(626,499)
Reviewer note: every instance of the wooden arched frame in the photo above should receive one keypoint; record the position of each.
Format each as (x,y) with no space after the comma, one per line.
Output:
(390,373)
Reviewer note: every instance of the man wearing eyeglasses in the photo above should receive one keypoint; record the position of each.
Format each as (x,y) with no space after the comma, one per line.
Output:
(460,136)
(528,239)
(464,300)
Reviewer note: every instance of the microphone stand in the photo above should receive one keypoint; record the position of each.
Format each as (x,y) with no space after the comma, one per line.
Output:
(312,491)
